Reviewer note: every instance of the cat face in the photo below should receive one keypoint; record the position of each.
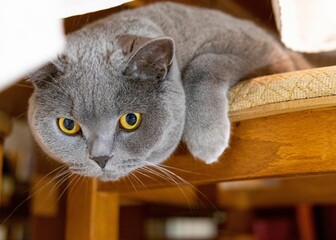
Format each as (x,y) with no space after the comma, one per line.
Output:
(109,111)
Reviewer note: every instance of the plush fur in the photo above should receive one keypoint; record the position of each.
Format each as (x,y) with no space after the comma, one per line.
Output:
(172,63)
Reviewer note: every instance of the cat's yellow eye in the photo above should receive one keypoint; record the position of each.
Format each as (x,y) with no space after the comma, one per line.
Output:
(68,126)
(130,121)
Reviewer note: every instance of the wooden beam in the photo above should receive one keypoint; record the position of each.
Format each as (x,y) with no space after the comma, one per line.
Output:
(180,196)
(293,144)
(278,192)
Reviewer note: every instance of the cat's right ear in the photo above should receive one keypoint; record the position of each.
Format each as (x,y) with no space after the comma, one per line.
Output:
(131,43)
(44,76)
(150,58)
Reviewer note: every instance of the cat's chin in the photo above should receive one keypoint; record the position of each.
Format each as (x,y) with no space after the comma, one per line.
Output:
(105,177)
(102,175)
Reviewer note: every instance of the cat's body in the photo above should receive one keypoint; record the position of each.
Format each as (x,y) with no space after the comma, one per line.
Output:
(170,63)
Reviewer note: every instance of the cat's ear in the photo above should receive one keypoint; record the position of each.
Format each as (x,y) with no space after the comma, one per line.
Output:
(151,58)
(44,76)
(131,43)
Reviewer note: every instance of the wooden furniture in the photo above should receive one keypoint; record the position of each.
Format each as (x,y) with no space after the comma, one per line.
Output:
(291,132)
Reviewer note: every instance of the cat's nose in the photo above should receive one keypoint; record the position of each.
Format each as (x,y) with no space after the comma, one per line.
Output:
(101,160)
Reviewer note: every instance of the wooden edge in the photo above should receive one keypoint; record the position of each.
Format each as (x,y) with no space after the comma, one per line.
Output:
(282,107)
(306,190)
(179,195)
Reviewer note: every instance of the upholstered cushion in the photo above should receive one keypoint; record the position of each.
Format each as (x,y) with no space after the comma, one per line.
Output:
(281,93)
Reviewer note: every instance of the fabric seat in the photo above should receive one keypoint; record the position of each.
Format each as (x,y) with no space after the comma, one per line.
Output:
(282,93)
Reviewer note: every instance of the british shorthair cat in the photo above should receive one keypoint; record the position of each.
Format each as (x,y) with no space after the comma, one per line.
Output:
(130,87)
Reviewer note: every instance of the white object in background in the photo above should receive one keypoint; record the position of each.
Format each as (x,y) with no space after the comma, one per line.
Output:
(76,7)
(306,25)
(191,228)
(19,147)
(31,34)
(3,232)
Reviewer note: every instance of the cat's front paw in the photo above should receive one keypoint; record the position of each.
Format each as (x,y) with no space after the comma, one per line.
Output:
(208,145)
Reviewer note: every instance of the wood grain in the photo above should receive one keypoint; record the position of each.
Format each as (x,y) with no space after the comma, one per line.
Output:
(293,144)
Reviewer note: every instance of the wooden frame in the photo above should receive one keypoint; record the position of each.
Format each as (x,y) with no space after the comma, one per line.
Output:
(292,144)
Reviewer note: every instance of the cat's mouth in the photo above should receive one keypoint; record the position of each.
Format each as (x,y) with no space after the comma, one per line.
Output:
(109,173)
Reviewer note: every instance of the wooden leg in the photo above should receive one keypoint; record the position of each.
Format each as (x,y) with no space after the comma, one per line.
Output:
(91,214)
(305,222)
(47,209)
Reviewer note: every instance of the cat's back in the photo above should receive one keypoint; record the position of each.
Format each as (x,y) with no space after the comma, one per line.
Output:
(195,30)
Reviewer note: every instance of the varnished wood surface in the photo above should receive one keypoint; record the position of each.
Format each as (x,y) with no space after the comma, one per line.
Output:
(293,144)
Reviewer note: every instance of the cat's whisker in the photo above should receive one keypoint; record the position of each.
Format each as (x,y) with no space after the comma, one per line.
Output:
(63,177)
(59,169)
(139,170)
(184,182)
(177,182)
(60,183)
(130,180)
(60,174)
(174,176)
(33,193)
(138,179)
(183,170)
(156,173)
(165,175)
(72,183)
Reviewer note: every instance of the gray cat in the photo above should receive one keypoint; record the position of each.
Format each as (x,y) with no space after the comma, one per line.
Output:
(130,87)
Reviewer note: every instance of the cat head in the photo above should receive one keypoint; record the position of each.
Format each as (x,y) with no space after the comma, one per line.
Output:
(108,109)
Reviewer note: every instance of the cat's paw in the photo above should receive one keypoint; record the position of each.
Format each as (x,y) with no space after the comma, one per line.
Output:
(208,145)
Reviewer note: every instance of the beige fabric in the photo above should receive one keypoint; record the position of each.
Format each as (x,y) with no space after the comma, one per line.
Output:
(286,92)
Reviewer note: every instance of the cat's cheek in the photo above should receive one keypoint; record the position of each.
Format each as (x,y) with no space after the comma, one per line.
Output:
(63,148)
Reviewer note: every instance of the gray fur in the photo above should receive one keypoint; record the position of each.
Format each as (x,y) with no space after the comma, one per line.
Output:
(126,63)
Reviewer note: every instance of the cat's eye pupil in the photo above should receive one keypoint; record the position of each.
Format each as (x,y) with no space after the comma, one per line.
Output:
(68,124)
(131,119)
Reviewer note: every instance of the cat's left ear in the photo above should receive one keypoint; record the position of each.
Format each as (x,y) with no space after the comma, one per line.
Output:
(152,60)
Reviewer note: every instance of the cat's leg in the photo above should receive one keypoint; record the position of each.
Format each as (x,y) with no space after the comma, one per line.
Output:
(207,80)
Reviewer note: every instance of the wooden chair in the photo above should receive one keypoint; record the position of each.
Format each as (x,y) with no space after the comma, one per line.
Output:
(284,125)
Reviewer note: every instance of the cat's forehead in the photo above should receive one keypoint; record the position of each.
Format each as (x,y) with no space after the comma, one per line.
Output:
(95,93)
